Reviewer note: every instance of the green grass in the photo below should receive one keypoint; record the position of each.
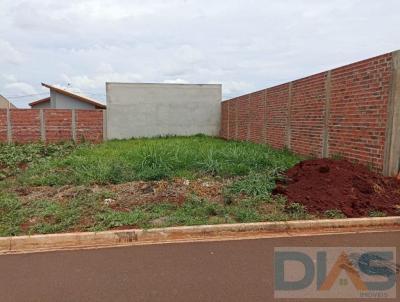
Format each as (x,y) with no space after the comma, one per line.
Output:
(155,159)
(89,213)
(253,169)
(13,156)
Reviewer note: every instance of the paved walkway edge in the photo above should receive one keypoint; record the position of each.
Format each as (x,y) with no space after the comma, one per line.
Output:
(141,236)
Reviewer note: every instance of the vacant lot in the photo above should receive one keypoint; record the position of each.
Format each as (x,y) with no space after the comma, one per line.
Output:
(174,181)
(140,183)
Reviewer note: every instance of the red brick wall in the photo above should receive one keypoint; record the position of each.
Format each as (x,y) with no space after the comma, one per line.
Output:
(345,108)
(307,110)
(358,117)
(3,126)
(257,117)
(25,125)
(89,125)
(232,119)
(243,117)
(224,119)
(277,100)
(57,125)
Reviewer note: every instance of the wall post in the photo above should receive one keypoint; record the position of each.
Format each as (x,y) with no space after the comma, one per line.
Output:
(289,117)
(9,127)
(248,118)
(236,120)
(42,126)
(392,134)
(73,125)
(265,117)
(325,142)
(229,110)
(104,125)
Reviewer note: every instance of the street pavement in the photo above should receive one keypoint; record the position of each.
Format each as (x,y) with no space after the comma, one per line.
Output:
(237,270)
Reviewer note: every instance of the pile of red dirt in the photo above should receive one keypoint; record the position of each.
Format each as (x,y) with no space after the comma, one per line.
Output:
(325,184)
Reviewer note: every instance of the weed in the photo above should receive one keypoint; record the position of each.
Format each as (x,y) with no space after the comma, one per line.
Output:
(334,214)
(11,215)
(155,159)
(297,211)
(376,214)
(255,184)
(15,156)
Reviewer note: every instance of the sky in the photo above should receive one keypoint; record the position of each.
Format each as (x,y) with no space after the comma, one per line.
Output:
(245,45)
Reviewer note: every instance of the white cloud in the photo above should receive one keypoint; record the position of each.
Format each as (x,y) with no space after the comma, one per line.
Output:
(97,81)
(245,45)
(8,54)
(236,87)
(9,77)
(176,81)
(19,89)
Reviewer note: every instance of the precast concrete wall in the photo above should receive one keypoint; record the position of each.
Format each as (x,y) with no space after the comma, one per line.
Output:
(147,110)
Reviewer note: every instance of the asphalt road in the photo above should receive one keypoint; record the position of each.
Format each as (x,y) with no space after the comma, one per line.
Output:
(239,270)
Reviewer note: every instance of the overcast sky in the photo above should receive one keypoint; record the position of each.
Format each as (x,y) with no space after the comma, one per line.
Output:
(245,45)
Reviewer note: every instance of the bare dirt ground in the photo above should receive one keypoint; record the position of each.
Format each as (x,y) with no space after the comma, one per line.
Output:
(326,184)
(124,196)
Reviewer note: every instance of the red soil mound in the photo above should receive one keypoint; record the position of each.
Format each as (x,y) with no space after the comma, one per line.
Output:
(325,184)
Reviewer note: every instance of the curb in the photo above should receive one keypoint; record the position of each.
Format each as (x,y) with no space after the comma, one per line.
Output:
(21,244)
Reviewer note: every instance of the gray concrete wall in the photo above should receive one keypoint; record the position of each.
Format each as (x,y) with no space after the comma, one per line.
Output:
(60,101)
(146,110)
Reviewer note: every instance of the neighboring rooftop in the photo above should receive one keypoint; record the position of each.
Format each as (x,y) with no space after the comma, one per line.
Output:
(4,103)
(71,95)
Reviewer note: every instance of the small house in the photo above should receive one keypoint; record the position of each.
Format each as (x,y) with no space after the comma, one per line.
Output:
(64,99)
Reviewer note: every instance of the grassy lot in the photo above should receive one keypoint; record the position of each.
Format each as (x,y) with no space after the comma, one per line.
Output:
(59,188)
(155,159)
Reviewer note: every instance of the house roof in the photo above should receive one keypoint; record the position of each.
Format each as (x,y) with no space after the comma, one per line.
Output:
(79,97)
(40,101)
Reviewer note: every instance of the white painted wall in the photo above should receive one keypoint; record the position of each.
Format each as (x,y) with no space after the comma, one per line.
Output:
(147,110)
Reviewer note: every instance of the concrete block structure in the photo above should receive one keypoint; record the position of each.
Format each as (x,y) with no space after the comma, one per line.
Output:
(147,110)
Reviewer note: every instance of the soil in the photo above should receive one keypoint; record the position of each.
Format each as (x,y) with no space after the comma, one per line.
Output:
(126,195)
(325,184)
